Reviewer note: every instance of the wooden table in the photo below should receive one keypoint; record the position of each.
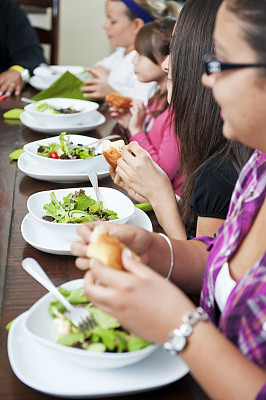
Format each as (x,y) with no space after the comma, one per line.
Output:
(18,291)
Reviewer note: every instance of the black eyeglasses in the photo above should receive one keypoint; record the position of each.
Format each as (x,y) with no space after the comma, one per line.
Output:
(213,66)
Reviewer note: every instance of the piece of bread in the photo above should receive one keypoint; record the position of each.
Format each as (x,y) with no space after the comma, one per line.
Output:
(112,151)
(106,248)
(122,103)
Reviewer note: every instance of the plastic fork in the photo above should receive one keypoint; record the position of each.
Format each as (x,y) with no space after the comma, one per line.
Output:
(80,316)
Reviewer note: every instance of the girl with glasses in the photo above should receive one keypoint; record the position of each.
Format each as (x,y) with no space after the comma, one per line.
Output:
(224,341)
(208,161)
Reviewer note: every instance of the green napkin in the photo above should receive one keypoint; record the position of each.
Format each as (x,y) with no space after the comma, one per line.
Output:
(13,114)
(67,86)
(144,206)
(15,155)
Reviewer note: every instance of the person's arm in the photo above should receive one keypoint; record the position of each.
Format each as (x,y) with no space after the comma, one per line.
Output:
(211,195)
(165,154)
(142,178)
(208,226)
(97,86)
(152,307)
(20,55)
(189,256)
(25,52)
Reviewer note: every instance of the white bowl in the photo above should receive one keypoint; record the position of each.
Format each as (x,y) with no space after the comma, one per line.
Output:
(112,199)
(61,120)
(58,166)
(40,326)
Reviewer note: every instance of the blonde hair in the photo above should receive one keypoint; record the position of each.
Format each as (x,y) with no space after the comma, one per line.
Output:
(156,8)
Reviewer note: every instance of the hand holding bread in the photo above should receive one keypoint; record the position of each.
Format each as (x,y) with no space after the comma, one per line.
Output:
(112,151)
(106,248)
(122,103)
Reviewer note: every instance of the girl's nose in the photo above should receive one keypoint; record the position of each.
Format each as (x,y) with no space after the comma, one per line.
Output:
(208,80)
(165,64)
(134,59)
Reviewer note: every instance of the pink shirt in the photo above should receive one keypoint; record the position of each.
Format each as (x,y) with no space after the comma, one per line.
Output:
(159,140)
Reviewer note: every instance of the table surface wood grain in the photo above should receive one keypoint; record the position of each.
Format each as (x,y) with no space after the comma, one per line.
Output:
(18,291)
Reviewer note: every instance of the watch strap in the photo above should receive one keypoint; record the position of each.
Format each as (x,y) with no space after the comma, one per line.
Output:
(178,338)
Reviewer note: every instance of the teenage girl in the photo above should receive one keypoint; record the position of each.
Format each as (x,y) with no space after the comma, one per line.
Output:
(150,126)
(115,73)
(223,342)
(210,163)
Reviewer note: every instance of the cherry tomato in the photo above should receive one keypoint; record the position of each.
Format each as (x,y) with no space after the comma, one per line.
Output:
(53,154)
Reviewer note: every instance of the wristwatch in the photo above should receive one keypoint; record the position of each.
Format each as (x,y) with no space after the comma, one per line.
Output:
(178,338)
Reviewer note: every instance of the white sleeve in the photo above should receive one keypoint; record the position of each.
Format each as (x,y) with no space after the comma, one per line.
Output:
(108,62)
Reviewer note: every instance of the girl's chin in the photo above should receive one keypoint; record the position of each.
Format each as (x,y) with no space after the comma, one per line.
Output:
(228,132)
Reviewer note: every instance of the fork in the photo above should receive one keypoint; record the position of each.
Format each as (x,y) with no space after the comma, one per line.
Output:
(94,181)
(79,316)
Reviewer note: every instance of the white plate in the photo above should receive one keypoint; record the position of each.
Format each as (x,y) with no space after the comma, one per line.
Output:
(40,369)
(38,83)
(32,168)
(94,119)
(43,239)
(45,75)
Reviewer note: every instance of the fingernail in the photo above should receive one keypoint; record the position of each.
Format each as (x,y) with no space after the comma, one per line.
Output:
(127,253)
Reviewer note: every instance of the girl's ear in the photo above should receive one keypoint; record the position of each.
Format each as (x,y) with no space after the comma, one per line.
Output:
(138,24)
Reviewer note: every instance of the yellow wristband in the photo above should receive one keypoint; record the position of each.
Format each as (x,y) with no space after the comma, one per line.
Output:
(17,68)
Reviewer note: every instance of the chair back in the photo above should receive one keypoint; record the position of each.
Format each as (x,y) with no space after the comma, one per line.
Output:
(45,36)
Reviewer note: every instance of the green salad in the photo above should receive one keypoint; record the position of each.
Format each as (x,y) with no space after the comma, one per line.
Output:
(107,336)
(76,208)
(48,109)
(65,150)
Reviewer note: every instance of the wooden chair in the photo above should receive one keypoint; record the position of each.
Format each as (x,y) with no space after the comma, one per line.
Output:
(45,36)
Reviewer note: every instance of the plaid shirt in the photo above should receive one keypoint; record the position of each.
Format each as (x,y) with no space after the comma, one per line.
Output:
(243,321)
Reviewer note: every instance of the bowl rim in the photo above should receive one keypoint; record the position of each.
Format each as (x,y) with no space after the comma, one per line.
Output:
(54,160)
(71,350)
(30,107)
(64,224)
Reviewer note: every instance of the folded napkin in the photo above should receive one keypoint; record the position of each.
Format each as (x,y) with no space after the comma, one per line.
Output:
(13,114)
(67,86)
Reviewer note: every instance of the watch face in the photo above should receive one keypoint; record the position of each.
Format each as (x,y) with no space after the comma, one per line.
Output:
(178,342)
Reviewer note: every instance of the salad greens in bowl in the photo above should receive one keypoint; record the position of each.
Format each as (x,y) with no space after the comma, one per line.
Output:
(106,346)
(67,154)
(59,112)
(62,210)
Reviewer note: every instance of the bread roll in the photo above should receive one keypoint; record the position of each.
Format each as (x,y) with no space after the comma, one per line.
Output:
(122,103)
(112,151)
(106,248)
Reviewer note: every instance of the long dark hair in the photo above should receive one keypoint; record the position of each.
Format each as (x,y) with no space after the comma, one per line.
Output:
(153,42)
(196,116)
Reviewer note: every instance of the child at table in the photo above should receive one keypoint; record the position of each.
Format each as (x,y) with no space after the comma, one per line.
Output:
(115,73)
(150,126)
(224,341)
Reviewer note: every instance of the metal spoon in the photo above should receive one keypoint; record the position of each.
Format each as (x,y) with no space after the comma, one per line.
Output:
(94,181)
